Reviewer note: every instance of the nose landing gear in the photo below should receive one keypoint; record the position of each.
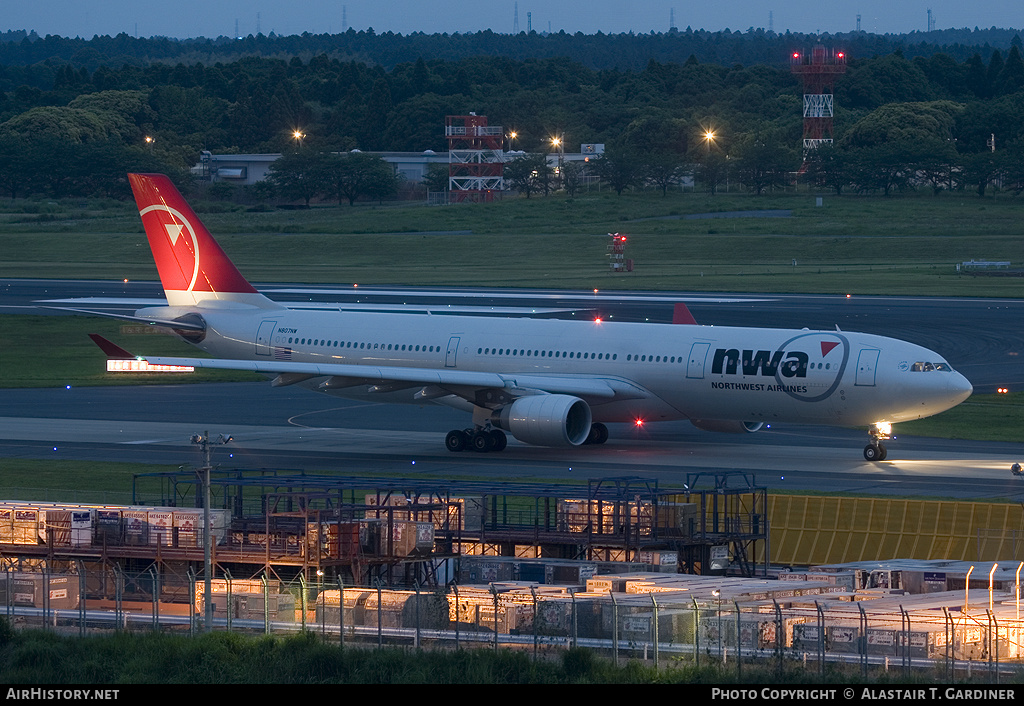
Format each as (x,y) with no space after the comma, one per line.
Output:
(876,451)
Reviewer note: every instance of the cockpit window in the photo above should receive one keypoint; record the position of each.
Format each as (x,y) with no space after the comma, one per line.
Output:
(928,367)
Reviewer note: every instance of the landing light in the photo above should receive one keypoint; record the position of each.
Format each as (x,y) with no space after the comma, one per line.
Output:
(1002,390)
(884,427)
(847,296)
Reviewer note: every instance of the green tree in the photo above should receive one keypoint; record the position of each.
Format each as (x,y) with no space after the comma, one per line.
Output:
(299,175)
(829,166)
(763,162)
(523,174)
(350,175)
(620,168)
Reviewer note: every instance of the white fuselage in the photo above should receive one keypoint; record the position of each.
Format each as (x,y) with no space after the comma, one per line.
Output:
(667,371)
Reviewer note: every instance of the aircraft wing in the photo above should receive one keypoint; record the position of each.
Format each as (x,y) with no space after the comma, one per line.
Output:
(597,388)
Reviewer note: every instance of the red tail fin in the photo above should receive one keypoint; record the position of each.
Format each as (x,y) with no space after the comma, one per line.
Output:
(681,314)
(192,266)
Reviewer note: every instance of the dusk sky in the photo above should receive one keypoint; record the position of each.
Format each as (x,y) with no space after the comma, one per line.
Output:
(191,18)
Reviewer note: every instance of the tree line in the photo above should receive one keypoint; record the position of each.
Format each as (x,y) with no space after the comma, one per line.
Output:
(76,135)
(627,51)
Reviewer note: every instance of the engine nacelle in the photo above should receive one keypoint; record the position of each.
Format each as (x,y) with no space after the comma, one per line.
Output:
(727,426)
(546,420)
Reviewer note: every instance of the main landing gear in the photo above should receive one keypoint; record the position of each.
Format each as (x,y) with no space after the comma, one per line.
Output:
(480,439)
(876,451)
(483,439)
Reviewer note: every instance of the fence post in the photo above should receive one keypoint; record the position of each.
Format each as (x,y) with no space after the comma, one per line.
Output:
(494,593)
(266,602)
(778,634)
(533,592)
(416,587)
(821,638)
(380,625)
(574,642)
(696,633)
(156,598)
(341,610)
(81,597)
(739,647)
(654,630)
(303,592)
(191,602)
(950,633)
(118,589)
(615,629)
(458,616)
(863,640)
(228,604)
(905,619)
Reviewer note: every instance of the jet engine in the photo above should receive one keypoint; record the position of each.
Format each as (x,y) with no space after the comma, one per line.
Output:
(727,426)
(546,420)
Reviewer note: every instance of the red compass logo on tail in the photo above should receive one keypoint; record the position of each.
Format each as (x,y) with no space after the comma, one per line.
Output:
(186,255)
(178,263)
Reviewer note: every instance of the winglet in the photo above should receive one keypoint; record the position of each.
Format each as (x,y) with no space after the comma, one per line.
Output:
(111,349)
(681,315)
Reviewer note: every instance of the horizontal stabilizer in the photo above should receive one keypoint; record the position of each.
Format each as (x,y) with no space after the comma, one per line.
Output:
(168,323)
(111,349)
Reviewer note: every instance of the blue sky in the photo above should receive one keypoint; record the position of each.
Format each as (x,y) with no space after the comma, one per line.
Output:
(190,18)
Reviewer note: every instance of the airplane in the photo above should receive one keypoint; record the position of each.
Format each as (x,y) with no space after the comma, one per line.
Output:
(547,382)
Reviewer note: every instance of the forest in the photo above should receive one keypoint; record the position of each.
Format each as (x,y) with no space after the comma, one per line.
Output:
(938,110)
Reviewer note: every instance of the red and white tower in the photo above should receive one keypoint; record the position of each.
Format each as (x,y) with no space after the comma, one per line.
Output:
(819,71)
(476,162)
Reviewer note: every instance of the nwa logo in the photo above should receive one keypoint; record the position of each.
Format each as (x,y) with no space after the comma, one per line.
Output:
(177,227)
(789,365)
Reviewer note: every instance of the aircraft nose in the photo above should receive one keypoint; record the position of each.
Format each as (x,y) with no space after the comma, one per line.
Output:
(959,387)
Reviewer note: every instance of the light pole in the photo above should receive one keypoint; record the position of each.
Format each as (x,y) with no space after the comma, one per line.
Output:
(558,144)
(203,442)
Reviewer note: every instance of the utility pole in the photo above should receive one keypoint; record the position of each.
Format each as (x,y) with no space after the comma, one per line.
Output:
(203,441)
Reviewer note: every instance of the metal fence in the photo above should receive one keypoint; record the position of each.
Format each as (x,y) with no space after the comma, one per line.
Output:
(653,626)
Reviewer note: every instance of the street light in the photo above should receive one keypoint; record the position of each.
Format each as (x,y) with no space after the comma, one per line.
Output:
(709,138)
(298,136)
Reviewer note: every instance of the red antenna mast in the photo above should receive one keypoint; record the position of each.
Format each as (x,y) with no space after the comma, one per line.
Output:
(819,71)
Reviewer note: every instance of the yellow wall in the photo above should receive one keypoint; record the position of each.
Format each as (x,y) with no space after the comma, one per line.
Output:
(828,530)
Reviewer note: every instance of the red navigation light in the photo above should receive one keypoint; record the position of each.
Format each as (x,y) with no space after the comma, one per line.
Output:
(639,423)
(597,320)
(796,55)
(841,55)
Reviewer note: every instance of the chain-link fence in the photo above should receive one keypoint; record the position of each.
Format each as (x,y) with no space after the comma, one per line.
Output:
(984,632)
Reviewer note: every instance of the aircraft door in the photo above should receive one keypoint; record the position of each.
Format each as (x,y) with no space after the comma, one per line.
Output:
(264,337)
(453,351)
(867,362)
(695,364)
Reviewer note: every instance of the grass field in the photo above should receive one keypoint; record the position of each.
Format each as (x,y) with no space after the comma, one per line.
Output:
(860,245)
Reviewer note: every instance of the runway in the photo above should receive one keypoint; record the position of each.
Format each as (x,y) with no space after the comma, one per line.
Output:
(296,429)
(288,428)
